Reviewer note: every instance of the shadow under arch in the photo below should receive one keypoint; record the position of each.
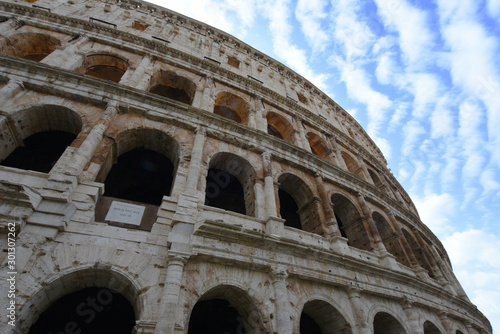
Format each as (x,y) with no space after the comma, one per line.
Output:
(173,86)
(147,163)
(298,205)
(279,127)
(105,66)
(390,238)
(230,184)
(226,309)
(350,222)
(320,317)
(101,285)
(29,45)
(36,137)
(384,323)
(318,145)
(352,165)
(430,328)
(418,252)
(232,107)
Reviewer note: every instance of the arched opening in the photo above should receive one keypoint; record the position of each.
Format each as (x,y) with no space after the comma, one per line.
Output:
(389,238)
(375,179)
(140,175)
(104,66)
(40,151)
(145,168)
(351,223)
(298,205)
(385,323)
(459,332)
(318,145)
(173,86)
(279,127)
(289,210)
(430,328)
(225,309)
(229,184)
(319,317)
(107,291)
(31,46)
(352,165)
(418,252)
(232,107)
(88,311)
(35,138)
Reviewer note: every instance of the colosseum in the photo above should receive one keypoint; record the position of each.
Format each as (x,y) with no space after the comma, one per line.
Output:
(159,175)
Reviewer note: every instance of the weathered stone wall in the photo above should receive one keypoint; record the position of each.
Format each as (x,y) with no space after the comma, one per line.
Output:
(362,262)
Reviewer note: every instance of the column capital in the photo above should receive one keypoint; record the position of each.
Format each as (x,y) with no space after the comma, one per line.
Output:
(279,274)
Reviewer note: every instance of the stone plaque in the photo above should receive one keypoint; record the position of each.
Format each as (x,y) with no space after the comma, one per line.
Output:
(125,213)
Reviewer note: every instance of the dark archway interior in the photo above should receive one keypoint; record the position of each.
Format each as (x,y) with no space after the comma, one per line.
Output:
(88,311)
(172,93)
(308,325)
(140,175)
(227,113)
(341,227)
(40,151)
(273,131)
(288,210)
(386,324)
(224,191)
(106,72)
(215,316)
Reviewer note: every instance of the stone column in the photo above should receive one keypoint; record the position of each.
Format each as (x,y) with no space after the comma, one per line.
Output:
(170,298)
(84,153)
(447,324)
(67,57)
(367,213)
(10,90)
(331,228)
(269,192)
(470,328)
(358,311)
(196,160)
(260,124)
(251,119)
(283,311)
(428,257)
(367,175)
(337,153)
(136,77)
(207,103)
(301,140)
(412,318)
(260,204)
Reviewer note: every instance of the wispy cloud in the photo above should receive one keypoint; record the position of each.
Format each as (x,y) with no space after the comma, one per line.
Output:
(310,14)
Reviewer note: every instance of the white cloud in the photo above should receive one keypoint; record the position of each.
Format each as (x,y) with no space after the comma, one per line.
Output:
(442,123)
(385,69)
(411,24)
(473,248)
(412,131)
(489,181)
(435,211)
(426,89)
(310,13)
(494,8)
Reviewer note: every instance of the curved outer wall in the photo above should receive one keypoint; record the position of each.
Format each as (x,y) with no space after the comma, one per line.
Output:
(125,75)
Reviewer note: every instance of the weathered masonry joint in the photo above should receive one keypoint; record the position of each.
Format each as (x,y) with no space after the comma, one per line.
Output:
(165,177)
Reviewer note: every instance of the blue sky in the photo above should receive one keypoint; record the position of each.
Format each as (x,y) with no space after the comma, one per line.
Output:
(423,79)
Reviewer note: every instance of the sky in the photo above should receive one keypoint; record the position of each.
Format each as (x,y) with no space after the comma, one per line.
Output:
(423,79)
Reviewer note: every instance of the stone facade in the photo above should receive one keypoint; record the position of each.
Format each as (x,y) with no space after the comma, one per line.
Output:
(317,235)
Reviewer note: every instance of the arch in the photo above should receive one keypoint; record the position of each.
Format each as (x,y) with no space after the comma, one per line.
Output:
(146,166)
(418,252)
(390,238)
(229,184)
(350,222)
(232,107)
(376,180)
(384,323)
(29,45)
(318,145)
(225,309)
(430,328)
(105,66)
(173,86)
(352,165)
(320,317)
(73,282)
(36,137)
(298,205)
(279,127)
